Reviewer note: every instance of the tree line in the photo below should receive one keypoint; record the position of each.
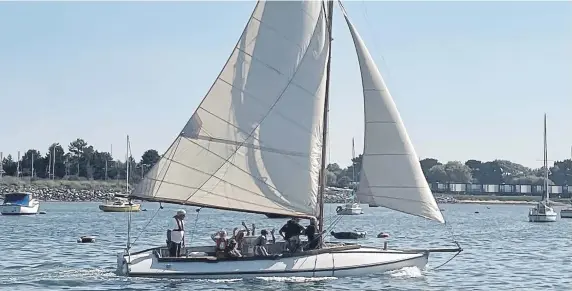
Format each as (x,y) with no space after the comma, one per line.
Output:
(83,162)
(472,171)
(80,162)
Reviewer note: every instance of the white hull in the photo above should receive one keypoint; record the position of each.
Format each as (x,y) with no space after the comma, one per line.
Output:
(542,218)
(542,213)
(20,209)
(343,263)
(566,213)
(349,209)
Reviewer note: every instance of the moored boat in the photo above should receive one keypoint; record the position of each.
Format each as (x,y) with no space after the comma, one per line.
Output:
(19,203)
(119,205)
(542,212)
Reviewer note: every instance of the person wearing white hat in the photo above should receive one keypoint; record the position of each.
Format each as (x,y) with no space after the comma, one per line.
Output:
(176,236)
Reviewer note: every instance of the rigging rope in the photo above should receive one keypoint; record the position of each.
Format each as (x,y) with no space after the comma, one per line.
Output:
(145,227)
(198,210)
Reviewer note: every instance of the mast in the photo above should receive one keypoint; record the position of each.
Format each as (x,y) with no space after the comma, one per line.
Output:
(545,162)
(353,171)
(322,180)
(54,163)
(127,162)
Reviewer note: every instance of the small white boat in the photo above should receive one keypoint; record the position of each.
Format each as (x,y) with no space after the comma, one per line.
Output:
(19,203)
(257,143)
(119,204)
(566,213)
(349,209)
(542,212)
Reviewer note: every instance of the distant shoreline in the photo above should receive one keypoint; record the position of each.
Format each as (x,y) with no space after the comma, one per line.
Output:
(99,191)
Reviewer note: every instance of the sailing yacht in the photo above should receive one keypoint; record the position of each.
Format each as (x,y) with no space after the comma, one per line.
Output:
(352,208)
(257,144)
(118,203)
(542,212)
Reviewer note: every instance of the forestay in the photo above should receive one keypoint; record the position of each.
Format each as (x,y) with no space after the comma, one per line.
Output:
(391,175)
(254,143)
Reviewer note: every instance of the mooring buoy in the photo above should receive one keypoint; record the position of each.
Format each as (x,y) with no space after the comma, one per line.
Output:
(86,239)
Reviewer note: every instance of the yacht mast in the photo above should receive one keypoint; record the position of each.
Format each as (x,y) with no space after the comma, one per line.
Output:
(545,163)
(322,180)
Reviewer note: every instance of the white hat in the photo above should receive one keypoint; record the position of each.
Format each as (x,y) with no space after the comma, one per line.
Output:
(181,212)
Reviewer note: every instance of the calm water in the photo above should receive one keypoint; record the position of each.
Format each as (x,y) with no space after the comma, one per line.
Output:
(502,250)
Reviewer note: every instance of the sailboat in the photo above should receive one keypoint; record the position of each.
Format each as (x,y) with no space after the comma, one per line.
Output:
(118,203)
(542,212)
(352,208)
(257,144)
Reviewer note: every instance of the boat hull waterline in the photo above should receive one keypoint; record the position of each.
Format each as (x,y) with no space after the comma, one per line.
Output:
(355,262)
(566,213)
(542,217)
(19,209)
(115,208)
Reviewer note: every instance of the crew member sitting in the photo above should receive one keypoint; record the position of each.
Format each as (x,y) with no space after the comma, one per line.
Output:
(260,243)
(231,250)
(221,243)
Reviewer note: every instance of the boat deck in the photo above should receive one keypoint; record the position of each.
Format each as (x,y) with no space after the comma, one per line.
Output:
(276,251)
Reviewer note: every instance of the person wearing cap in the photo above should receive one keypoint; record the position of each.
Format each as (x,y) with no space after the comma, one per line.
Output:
(176,236)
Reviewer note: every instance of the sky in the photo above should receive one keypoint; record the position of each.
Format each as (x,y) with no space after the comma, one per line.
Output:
(471,80)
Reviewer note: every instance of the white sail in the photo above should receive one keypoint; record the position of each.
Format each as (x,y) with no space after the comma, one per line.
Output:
(254,143)
(391,175)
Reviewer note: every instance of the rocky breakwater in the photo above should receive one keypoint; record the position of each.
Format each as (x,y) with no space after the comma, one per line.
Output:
(62,192)
(337,195)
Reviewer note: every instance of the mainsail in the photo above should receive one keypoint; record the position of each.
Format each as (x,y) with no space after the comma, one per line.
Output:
(254,143)
(391,175)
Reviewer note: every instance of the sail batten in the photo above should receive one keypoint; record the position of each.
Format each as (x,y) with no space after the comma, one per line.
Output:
(391,175)
(253,144)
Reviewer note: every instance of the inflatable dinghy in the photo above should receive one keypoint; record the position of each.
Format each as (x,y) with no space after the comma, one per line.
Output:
(349,234)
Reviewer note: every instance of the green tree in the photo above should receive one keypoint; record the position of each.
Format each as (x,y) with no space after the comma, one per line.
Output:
(59,157)
(561,172)
(32,158)
(76,148)
(427,164)
(437,173)
(148,160)
(9,166)
(457,172)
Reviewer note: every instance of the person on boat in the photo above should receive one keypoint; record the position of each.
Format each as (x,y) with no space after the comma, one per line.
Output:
(239,235)
(176,236)
(311,232)
(291,233)
(261,241)
(221,243)
(231,250)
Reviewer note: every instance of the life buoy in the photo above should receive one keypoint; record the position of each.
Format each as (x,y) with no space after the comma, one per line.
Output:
(339,208)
